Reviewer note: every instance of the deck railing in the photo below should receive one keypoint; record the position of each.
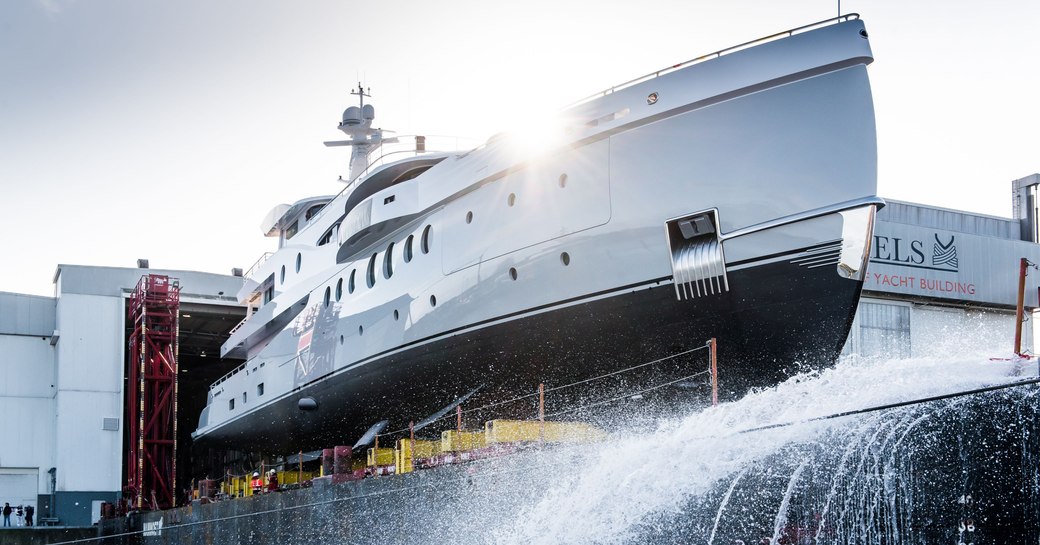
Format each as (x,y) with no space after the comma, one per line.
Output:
(715,55)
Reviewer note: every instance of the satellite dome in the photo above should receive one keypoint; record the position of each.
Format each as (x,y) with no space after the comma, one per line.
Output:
(352,116)
(368,112)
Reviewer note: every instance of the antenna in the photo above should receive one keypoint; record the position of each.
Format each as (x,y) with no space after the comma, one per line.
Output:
(361,94)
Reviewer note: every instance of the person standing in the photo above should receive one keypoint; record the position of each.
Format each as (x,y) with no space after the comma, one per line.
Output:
(257,484)
(272,481)
(7,514)
(18,515)
(29,512)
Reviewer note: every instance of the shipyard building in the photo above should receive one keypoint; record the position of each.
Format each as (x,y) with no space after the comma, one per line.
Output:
(63,383)
(939,282)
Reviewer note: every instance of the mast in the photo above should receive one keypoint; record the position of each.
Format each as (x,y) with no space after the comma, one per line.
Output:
(364,139)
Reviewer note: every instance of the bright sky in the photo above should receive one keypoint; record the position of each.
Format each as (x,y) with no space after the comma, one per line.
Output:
(166,130)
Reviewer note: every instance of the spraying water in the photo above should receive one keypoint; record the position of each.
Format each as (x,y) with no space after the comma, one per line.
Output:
(774,467)
(704,478)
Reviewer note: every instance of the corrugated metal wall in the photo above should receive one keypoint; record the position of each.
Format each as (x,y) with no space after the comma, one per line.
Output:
(950,220)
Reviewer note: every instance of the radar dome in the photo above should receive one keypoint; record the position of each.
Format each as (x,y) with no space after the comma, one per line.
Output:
(368,112)
(352,116)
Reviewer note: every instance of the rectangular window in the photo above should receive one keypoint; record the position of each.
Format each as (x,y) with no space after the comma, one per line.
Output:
(260,389)
(231,404)
(244,399)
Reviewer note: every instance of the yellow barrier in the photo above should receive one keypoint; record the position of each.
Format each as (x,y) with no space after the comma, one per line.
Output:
(380,457)
(458,441)
(403,455)
(513,431)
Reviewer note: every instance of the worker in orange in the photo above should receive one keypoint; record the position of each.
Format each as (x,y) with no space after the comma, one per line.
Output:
(257,483)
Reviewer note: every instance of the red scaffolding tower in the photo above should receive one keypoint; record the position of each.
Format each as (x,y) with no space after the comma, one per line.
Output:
(151,393)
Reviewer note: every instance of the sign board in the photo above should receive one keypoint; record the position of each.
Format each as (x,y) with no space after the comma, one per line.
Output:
(940,264)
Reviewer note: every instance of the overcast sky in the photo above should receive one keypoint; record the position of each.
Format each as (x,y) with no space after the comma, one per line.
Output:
(166,130)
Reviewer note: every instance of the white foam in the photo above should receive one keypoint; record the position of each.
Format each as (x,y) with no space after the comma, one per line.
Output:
(640,474)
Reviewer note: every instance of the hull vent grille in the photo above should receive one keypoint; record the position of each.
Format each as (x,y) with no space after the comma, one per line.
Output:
(699,269)
(698,266)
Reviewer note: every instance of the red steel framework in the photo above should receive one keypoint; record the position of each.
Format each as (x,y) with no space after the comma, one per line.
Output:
(151,393)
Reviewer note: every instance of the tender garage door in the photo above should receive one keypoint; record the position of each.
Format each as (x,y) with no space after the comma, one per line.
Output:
(19,486)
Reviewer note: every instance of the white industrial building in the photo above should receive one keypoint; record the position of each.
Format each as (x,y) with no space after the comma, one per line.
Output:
(944,282)
(940,281)
(62,362)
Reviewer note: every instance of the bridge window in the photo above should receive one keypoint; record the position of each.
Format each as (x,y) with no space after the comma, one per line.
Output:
(329,235)
(313,211)
(292,230)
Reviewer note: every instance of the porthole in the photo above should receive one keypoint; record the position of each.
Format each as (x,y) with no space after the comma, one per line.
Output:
(512,273)
(299,261)
(360,330)
(328,296)
(408,248)
(397,315)
(433,300)
(339,289)
(350,282)
(565,258)
(371,276)
(563,180)
(424,244)
(281,278)
(388,261)
(231,404)
(512,199)
(469,217)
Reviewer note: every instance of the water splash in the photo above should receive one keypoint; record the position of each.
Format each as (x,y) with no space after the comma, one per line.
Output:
(862,472)
(959,470)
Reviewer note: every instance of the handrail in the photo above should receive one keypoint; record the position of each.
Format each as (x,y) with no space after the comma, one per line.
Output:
(239,325)
(259,262)
(228,375)
(715,55)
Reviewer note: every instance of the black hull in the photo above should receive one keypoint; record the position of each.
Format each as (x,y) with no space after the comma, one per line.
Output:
(777,319)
